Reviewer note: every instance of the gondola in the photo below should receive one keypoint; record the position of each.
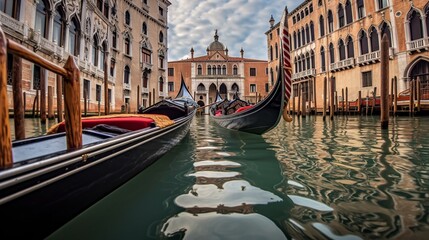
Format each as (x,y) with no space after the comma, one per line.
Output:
(241,116)
(47,185)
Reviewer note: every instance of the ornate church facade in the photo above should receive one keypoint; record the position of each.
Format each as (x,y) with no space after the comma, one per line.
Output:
(218,71)
(130,35)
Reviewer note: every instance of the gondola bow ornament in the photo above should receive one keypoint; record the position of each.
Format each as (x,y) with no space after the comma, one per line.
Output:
(286,64)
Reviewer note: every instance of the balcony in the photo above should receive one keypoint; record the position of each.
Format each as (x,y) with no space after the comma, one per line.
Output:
(145,90)
(304,74)
(163,94)
(341,65)
(127,86)
(146,66)
(418,45)
(13,26)
(369,58)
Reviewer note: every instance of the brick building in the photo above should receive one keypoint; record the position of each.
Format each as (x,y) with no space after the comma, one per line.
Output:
(342,39)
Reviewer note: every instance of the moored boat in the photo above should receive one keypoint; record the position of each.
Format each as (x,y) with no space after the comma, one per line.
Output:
(44,182)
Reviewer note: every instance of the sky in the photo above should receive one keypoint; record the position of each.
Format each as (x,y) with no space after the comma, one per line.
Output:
(240,24)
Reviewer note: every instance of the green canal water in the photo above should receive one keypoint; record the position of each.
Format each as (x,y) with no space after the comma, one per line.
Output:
(308,179)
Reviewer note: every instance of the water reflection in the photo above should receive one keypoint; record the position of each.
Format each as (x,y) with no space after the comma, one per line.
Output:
(375,181)
(33,127)
(223,201)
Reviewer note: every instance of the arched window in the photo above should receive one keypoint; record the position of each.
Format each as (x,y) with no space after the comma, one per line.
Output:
(415,25)
(127,74)
(234,88)
(271,53)
(373,36)
(302,14)
(296,65)
(277,50)
(385,29)
(341,20)
(145,79)
(302,36)
(311,31)
(209,70)
(307,59)
(106,9)
(299,38)
(349,15)
(114,38)
(219,70)
(322,26)
(59,27)
(342,49)
(223,70)
(272,75)
(235,70)
(322,59)
(74,37)
(201,87)
(144,28)
(299,64)
(161,37)
(330,21)
(307,34)
(294,40)
(427,18)
(360,4)
(112,67)
(41,22)
(161,84)
(331,53)
(200,70)
(350,48)
(382,4)
(363,42)
(127,17)
(10,7)
(95,50)
(127,45)
(312,59)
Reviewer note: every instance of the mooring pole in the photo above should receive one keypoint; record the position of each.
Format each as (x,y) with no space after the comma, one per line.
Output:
(384,85)
(325,96)
(18,105)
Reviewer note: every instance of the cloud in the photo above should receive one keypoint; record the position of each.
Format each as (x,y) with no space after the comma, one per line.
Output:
(240,24)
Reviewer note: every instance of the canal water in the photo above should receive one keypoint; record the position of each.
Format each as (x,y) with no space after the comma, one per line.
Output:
(308,179)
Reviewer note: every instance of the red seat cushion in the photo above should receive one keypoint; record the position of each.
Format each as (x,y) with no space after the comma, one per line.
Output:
(243,108)
(130,123)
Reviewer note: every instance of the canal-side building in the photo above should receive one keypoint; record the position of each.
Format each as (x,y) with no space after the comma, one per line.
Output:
(341,39)
(217,70)
(131,35)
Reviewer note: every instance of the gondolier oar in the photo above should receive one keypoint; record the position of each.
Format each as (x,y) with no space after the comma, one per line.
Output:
(286,65)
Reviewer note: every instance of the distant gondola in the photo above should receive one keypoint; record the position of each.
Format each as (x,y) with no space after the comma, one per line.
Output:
(47,185)
(241,116)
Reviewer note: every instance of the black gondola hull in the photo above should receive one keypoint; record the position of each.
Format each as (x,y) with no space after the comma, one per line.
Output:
(49,199)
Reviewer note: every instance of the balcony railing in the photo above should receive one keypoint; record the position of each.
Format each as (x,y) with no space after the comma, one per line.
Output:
(418,45)
(304,74)
(145,90)
(127,86)
(369,58)
(145,66)
(10,23)
(343,64)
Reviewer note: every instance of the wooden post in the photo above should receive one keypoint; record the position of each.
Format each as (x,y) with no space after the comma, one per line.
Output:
(138,97)
(418,93)
(99,107)
(6,160)
(59,98)
(347,101)
(85,97)
(374,95)
(73,118)
(43,84)
(150,98)
(153,95)
(384,84)
(395,95)
(336,107)
(50,102)
(325,96)
(359,109)
(367,104)
(36,104)
(293,105)
(314,95)
(25,102)
(331,100)
(342,101)
(299,99)
(411,97)
(303,103)
(391,99)
(18,106)
(106,84)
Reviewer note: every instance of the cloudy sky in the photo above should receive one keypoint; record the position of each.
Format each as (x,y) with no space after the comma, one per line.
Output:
(240,24)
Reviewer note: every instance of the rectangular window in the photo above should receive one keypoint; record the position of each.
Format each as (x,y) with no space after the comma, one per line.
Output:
(252,71)
(109,94)
(252,87)
(360,8)
(170,71)
(161,11)
(161,62)
(171,86)
(98,93)
(86,88)
(267,88)
(146,56)
(37,74)
(367,79)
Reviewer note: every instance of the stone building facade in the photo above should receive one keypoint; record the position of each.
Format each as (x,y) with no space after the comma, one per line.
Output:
(341,39)
(130,35)
(217,70)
